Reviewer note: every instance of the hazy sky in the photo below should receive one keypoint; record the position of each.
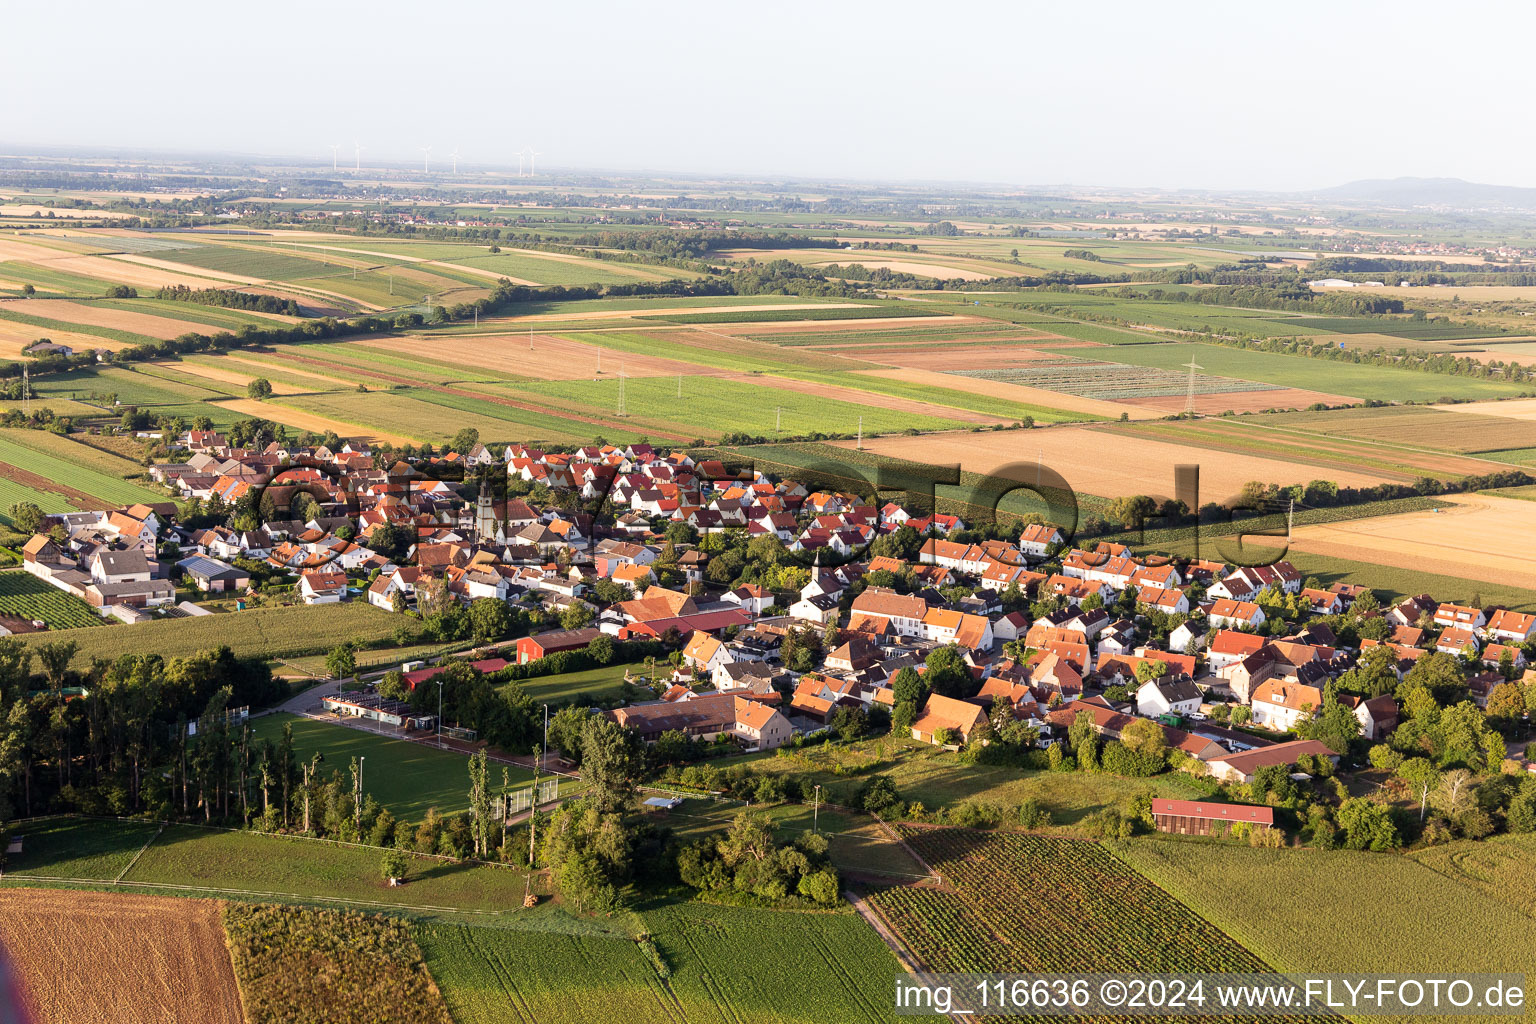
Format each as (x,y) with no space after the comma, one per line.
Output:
(1275,95)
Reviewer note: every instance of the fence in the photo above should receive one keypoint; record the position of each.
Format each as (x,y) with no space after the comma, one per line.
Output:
(523,799)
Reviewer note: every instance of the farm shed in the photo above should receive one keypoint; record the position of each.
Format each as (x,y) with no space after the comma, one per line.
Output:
(1199,818)
(531,648)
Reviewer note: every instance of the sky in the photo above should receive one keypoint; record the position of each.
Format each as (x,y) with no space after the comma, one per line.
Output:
(1192,95)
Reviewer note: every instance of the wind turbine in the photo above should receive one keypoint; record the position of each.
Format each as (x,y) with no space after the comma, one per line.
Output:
(357,155)
(334,151)
(454,156)
(531,155)
(426,154)
(520,155)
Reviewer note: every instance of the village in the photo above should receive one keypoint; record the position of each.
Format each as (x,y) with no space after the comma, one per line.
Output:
(783,611)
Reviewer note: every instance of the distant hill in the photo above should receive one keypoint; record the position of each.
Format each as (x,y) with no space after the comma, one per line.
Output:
(1452,192)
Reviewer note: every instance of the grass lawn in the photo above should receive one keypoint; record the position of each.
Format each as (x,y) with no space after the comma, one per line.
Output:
(936,778)
(406,777)
(857,842)
(598,684)
(266,866)
(77,847)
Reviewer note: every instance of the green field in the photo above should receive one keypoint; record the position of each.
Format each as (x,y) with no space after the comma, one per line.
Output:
(255,263)
(1338,378)
(273,632)
(861,312)
(13,493)
(1393,584)
(1299,910)
(406,777)
(712,405)
(811,967)
(78,454)
(23,594)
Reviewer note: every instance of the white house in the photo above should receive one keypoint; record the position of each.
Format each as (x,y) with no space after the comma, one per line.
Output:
(1155,698)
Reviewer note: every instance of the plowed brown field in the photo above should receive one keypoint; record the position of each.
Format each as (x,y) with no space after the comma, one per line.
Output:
(110,958)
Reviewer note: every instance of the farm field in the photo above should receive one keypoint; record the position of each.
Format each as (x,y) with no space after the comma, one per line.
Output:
(275,632)
(1139,465)
(1481,537)
(305,419)
(1323,375)
(77,452)
(1288,906)
(1500,869)
(1039,904)
(718,405)
(829,967)
(406,777)
(380,414)
(1259,436)
(343,967)
(108,491)
(1475,427)
(145,958)
(25,595)
(1393,583)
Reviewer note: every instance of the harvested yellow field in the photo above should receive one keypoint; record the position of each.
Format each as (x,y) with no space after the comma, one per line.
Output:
(1093,461)
(58,213)
(104,316)
(14,337)
(228,376)
(1018,393)
(1467,293)
(1513,409)
(126,270)
(308,420)
(551,358)
(109,958)
(257,367)
(1481,537)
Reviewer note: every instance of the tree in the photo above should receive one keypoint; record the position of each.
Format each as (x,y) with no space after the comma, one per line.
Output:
(395,864)
(489,619)
(850,723)
(602,649)
(393,686)
(1506,704)
(1421,776)
(1143,737)
(259,389)
(56,656)
(341,663)
(28,290)
(611,761)
(946,673)
(1368,825)
(27,517)
(1150,669)
(1335,726)
(1132,510)
(465,440)
(576,616)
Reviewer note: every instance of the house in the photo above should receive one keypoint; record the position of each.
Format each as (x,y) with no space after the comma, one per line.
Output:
(1200,818)
(760,726)
(1412,611)
(1166,696)
(1228,613)
(745,676)
(532,648)
(959,717)
(904,612)
(753,598)
(1229,647)
(1239,767)
(705,653)
(130,594)
(322,587)
(1459,616)
(1187,631)
(213,576)
(1457,640)
(1039,538)
(1510,627)
(128,566)
(1280,705)
(818,608)
(1378,715)
(1012,626)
